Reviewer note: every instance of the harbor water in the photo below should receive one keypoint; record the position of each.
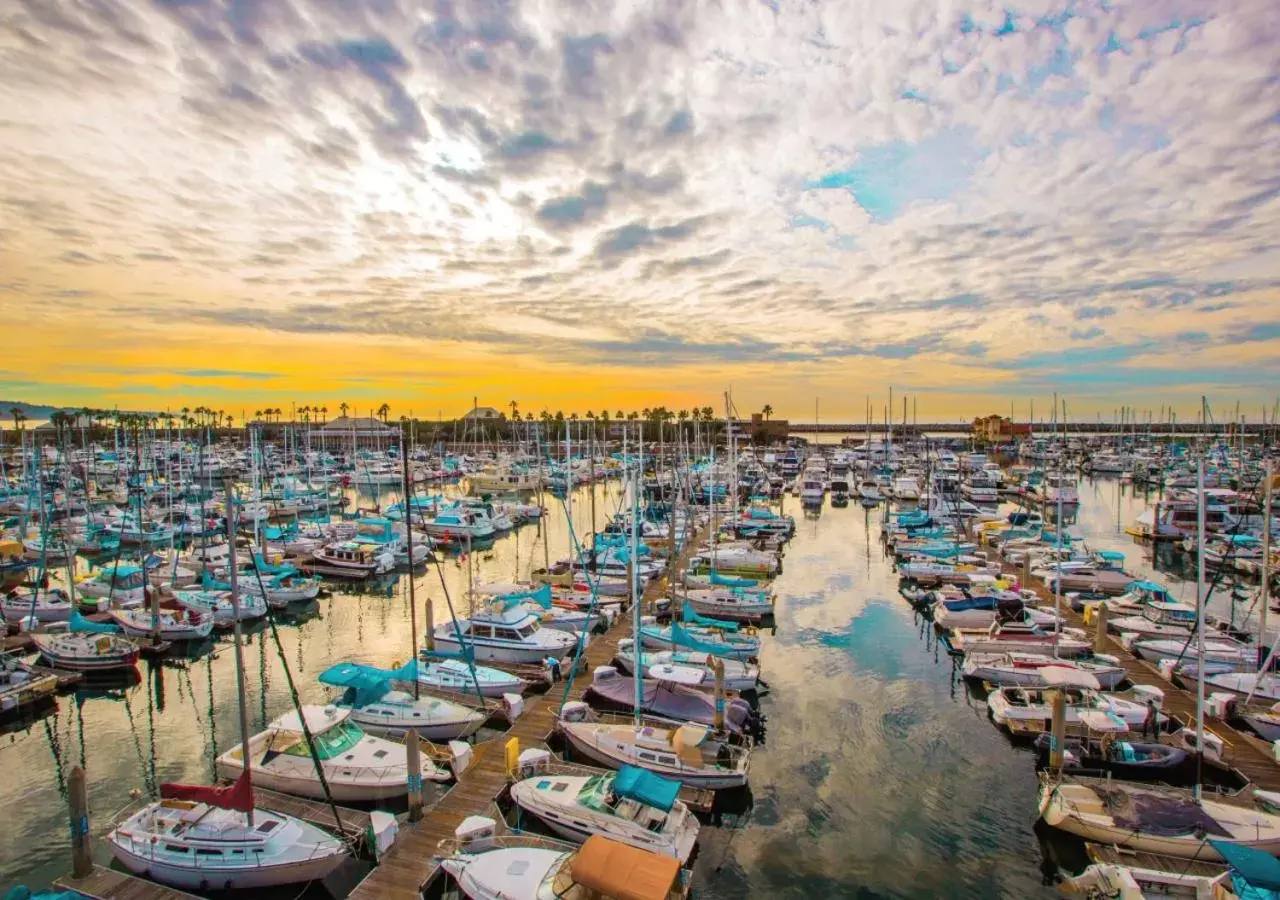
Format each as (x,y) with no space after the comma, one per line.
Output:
(881,775)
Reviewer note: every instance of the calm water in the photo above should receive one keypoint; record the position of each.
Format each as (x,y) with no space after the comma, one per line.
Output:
(881,776)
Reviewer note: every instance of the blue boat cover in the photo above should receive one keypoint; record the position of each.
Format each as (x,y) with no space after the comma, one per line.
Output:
(646,787)
(1146,586)
(370,684)
(1110,554)
(691,615)
(1258,868)
(209,583)
(540,596)
(82,625)
(727,581)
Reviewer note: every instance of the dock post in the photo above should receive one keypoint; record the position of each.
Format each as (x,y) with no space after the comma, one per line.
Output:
(718,667)
(1026,569)
(431,625)
(81,850)
(413,758)
(1059,730)
(1100,620)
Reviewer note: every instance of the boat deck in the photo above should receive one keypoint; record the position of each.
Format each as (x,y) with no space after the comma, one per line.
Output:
(108,884)
(1111,854)
(352,824)
(410,865)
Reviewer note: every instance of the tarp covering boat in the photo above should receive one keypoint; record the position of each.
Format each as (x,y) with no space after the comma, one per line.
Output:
(728,581)
(670,701)
(691,615)
(622,872)
(1150,813)
(238,796)
(1258,868)
(646,787)
(83,626)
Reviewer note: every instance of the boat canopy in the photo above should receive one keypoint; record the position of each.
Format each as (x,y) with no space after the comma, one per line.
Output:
(646,787)
(369,684)
(1067,676)
(1111,555)
(691,615)
(1260,869)
(617,870)
(82,625)
(1148,586)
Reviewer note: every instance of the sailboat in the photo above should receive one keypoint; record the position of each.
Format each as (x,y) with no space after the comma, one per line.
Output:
(211,838)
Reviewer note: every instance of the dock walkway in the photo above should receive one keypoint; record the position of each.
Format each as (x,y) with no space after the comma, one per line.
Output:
(108,884)
(1252,756)
(410,865)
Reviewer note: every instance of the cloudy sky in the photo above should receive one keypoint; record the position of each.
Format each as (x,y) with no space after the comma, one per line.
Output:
(580,203)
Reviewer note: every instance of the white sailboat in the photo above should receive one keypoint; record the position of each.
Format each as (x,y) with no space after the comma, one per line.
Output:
(208,838)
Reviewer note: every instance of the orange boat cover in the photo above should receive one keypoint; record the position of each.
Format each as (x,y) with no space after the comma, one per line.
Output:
(622,872)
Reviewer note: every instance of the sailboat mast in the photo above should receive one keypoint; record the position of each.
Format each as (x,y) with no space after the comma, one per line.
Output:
(233,568)
(1265,590)
(638,668)
(408,539)
(1200,603)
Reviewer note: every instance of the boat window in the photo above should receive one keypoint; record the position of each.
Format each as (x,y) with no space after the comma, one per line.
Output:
(176,848)
(379,754)
(526,631)
(204,851)
(505,634)
(560,787)
(648,757)
(481,631)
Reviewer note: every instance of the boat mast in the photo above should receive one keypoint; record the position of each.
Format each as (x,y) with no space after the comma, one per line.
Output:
(1265,590)
(233,569)
(1200,600)
(637,670)
(1057,580)
(408,538)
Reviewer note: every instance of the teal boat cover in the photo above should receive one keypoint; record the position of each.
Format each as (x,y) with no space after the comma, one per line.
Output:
(540,596)
(370,684)
(1259,869)
(691,615)
(646,787)
(83,626)
(727,581)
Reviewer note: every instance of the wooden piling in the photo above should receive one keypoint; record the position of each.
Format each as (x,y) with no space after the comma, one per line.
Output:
(1100,632)
(717,666)
(1059,731)
(413,759)
(81,848)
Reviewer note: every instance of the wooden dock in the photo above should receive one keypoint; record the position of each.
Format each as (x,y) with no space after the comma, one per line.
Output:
(108,884)
(410,865)
(1246,752)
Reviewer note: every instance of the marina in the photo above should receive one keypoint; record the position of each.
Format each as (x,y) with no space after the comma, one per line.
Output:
(841,601)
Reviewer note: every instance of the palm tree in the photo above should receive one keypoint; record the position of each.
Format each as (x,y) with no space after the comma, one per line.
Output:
(767,411)
(559,416)
(324,414)
(343,407)
(620,416)
(528,417)
(708,414)
(18,418)
(515,410)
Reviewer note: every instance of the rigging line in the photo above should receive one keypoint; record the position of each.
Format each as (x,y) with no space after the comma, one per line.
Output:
(80,728)
(297,705)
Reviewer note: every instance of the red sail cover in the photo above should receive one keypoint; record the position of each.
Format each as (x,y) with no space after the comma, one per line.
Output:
(238,796)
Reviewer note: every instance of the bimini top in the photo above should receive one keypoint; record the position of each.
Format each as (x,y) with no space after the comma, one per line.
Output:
(1148,586)
(1109,554)
(622,872)
(646,787)
(370,684)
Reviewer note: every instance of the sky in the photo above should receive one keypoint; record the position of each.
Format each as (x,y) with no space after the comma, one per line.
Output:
(575,204)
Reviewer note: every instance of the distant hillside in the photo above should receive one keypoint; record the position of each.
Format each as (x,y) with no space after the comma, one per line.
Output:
(30,410)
